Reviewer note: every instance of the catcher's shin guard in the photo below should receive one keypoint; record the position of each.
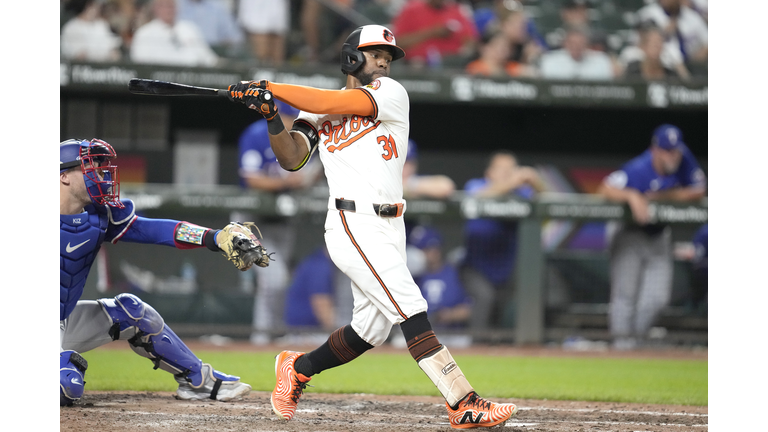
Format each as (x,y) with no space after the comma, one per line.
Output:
(446,375)
(72,368)
(153,340)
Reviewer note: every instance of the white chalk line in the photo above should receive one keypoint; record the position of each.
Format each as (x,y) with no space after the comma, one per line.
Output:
(590,410)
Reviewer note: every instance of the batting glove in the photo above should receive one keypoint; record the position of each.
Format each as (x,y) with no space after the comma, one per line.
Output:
(254,95)
(236,92)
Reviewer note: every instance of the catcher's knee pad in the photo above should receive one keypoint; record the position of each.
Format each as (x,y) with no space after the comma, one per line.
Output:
(153,339)
(72,368)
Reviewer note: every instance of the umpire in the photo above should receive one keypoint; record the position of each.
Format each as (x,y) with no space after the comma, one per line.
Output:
(641,251)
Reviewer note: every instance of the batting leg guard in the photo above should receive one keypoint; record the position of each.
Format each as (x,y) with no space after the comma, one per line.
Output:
(446,375)
(72,368)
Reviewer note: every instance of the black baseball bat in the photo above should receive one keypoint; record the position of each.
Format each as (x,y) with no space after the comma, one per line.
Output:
(165,88)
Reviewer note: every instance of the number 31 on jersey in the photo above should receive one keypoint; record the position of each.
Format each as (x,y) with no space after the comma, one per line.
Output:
(390,148)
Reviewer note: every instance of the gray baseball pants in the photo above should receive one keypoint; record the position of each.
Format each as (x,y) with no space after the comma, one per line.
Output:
(641,281)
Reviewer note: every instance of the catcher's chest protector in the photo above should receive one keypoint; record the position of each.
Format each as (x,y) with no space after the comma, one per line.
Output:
(81,237)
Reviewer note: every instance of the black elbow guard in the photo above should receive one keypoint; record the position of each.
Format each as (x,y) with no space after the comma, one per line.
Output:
(308,130)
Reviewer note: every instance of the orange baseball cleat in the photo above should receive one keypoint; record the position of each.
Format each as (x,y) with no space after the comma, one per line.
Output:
(290,385)
(474,411)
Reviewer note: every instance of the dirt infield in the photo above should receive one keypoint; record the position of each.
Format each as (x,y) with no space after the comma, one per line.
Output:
(160,411)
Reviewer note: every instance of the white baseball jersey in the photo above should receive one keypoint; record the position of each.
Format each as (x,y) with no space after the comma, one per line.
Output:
(363,159)
(364,156)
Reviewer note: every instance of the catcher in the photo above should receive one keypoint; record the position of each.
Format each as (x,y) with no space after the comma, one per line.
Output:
(91,213)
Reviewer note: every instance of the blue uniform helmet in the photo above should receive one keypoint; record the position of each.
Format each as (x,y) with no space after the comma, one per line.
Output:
(96,161)
(668,137)
(424,237)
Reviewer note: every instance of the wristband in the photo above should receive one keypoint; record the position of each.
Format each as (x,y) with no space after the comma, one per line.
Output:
(189,233)
(275,125)
(209,240)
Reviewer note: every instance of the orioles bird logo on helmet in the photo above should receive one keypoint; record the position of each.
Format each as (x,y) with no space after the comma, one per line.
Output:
(388,36)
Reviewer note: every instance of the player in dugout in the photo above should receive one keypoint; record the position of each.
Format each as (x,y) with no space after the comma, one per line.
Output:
(361,135)
(92,213)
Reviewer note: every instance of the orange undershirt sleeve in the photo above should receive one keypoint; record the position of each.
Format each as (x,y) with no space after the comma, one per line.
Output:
(321,101)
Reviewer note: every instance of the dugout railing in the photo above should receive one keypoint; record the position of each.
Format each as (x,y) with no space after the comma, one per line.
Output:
(531,320)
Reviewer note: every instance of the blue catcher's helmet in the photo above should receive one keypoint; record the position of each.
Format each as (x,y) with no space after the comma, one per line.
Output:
(96,161)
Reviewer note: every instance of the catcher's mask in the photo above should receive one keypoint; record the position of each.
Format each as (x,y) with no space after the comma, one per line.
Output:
(352,59)
(95,159)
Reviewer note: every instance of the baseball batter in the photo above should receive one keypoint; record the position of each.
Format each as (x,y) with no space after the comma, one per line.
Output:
(641,252)
(91,213)
(361,135)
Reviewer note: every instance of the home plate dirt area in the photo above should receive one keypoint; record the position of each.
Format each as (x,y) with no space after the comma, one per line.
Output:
(160,411)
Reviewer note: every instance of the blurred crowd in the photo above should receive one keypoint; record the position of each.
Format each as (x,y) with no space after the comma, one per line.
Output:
(549,39)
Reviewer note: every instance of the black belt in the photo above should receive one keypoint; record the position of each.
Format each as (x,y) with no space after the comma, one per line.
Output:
(383,210)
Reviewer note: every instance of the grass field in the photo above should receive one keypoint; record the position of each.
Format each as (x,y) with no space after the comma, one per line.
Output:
(655,381)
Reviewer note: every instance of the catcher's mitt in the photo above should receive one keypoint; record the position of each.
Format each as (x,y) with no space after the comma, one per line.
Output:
(241,246)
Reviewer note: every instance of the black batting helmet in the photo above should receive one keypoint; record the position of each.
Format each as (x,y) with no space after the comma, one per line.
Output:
(352,58)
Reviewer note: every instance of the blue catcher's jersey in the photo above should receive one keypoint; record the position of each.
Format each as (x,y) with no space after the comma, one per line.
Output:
(81,236)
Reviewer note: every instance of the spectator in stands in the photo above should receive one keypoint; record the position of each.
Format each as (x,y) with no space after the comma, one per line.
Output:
(525,48)
(325,29)
(167,40)
(122,18)
(87,36)
(310,299)
(439,282)
(215,20)
(700,6)
(684,29)
(260,171)
(574,13)
(650,65)
(489,15)
(641,252)
(266,23)
(494,58)
(416,185)
(491,244)
(436,33)
(575,61)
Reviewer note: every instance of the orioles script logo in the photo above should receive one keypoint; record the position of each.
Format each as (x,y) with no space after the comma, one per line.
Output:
(347,132)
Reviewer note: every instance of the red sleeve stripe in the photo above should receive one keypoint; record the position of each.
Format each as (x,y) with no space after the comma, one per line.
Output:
(128,225)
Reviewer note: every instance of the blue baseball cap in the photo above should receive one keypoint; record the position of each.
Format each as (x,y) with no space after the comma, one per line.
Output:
(668,137)
(425,237)
(286,109)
